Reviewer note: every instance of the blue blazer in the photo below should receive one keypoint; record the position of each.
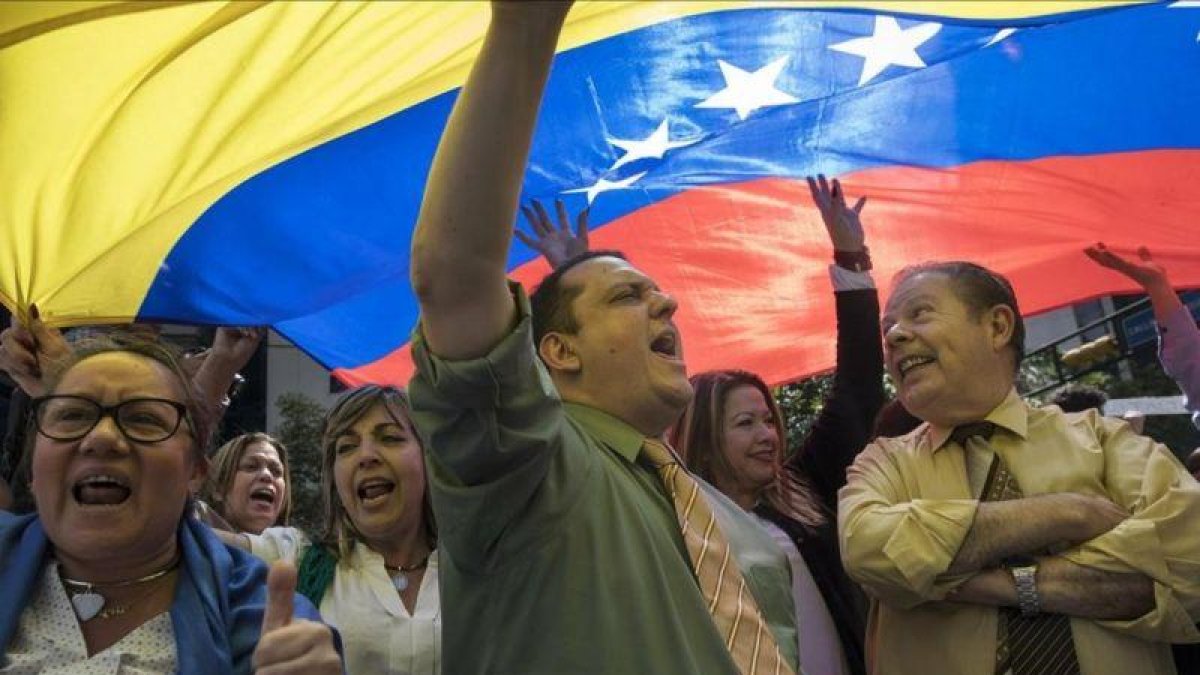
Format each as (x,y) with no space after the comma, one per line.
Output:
(219,601)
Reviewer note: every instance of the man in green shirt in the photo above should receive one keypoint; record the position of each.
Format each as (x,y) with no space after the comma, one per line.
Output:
(561,551)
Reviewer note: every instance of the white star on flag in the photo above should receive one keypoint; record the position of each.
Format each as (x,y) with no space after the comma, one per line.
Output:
(604,185)
(746,92)
(1001,34)
(889,45)
(653,146)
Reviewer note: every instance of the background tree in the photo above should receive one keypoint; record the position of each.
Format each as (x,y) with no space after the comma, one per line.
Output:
(300,433)
(801,401)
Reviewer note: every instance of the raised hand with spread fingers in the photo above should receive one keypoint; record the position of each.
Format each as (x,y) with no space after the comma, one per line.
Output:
(556,243)
(841,222)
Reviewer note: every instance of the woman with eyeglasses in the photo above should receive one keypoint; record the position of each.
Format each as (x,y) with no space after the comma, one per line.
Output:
(373,568)
(249,485)
(111,571)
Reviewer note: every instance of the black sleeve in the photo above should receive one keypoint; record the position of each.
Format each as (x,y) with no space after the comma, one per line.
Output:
(848,413)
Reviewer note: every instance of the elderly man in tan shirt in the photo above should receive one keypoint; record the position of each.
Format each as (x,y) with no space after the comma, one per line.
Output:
(1003,538)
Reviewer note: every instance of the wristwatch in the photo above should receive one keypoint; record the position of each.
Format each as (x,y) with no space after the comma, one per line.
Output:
(855,261)
(1024,573)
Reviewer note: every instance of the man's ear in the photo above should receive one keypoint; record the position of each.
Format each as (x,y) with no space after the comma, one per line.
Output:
(558,353)
(1001,323)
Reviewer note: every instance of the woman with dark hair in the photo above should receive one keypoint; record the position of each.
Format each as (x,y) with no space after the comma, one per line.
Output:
(112,568)
(249,484)
(733,436)
(373,568)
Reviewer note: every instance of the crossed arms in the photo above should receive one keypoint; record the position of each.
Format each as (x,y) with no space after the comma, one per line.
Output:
(1130,560)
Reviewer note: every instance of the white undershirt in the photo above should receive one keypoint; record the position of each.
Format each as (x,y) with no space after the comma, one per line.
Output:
(49,640)
(378,632)
(819,644)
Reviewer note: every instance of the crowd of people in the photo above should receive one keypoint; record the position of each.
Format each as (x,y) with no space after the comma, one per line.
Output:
(554,494)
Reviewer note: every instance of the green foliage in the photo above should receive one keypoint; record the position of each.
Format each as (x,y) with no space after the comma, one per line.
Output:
(800,402)
(300,433)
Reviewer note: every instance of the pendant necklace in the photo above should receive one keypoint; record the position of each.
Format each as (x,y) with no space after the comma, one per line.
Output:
(399,575)
(89,603)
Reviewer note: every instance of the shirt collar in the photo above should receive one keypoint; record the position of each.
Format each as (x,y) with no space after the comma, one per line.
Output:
(609,430)
(1011,414)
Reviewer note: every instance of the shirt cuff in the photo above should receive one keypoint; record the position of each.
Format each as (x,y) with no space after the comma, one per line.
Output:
(923,548)
(849,280)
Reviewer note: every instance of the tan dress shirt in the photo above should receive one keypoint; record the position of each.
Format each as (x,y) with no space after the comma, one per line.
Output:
(908,505)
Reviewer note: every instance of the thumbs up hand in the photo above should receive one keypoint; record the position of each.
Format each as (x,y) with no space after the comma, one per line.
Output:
(287,645)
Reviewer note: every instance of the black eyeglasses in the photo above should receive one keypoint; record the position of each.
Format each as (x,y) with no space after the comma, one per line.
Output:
(144,420)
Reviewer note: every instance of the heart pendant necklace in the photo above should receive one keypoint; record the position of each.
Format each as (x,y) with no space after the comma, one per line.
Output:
(89,603)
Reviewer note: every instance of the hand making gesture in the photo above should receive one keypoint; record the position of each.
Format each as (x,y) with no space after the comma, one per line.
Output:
(556,243)
(841,222)
(291,645)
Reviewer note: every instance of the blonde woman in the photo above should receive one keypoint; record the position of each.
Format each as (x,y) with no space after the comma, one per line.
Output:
(373,569)
(249,485)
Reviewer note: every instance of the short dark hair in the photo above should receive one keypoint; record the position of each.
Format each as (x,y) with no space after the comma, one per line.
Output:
(980,289)
(551,300)
(1079,397)
(1192,462)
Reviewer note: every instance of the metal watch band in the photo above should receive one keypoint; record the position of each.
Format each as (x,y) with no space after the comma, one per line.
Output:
(1025,578)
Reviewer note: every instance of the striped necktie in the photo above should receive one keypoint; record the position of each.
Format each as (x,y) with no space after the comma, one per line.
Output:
(730,602)
(1025,645)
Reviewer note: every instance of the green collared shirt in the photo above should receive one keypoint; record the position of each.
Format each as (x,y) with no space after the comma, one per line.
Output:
(561,552)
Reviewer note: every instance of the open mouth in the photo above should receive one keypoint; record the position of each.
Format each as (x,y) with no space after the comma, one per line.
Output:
(101,490)
(666,345)
(263,495)
(373,490)
(908,363)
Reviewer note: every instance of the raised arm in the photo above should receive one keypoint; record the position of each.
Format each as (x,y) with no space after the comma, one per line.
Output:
(466,220)
(232,349)
(1179,348)
(30,354)
(1148,274)
(844,425)
(557,243)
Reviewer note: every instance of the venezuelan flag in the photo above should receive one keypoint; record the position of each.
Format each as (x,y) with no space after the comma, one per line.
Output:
(263,163)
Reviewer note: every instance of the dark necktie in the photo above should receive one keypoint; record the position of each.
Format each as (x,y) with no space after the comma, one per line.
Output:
(1026,645)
